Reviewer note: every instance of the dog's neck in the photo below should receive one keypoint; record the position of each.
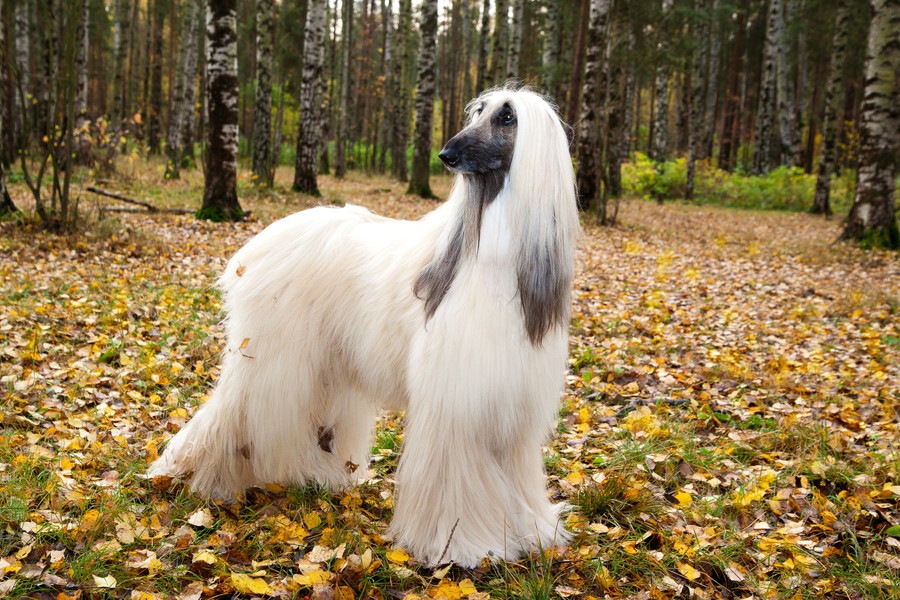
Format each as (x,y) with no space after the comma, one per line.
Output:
(471,195)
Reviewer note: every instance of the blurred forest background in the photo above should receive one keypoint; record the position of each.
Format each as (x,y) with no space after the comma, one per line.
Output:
(766,103)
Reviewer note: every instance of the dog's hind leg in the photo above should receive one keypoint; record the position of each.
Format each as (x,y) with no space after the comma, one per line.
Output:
(343,423)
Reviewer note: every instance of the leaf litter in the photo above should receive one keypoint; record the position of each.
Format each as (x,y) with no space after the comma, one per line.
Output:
(729,427)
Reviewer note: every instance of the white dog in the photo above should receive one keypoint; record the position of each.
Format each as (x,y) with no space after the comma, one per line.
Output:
(459,319)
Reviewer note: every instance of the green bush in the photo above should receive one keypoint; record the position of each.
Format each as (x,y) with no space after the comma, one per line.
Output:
(784,188)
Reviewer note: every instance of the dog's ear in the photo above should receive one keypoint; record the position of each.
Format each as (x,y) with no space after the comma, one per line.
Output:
(546,217)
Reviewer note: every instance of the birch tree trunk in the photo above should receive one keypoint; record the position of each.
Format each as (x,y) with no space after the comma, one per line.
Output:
(790,151)
(696,100)
(156,76)
(23,63)
(589,174)
(661,101)
(220,200)
(766,153)
(120,46)
(575,87)
(262,113)
(467,27)
(343,118)
(192,70)
(822,201)
(712,83)
(615,125)
(872,218)
(418,181)
(481,77)
(387,125)
(515,40)
(550,55)
(500,41)
(310,135)
(401,121)
(184,79)
(632,109)
(81,67)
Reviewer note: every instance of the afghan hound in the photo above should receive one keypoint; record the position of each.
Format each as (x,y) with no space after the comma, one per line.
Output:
(460,319)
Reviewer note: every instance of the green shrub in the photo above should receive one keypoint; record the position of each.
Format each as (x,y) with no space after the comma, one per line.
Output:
(784,188)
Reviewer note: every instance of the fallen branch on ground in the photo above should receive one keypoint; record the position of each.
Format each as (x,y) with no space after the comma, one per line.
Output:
(146,205)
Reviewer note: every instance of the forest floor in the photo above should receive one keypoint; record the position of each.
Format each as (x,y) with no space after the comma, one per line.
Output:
(729,426)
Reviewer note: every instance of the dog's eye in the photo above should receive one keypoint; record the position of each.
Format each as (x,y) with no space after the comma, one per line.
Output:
(506,116)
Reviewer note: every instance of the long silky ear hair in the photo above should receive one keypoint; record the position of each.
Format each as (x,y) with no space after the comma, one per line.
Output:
(544,214)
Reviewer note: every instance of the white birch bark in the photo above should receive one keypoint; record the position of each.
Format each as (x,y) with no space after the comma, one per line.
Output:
(220,201)
(661,94)
(500,43)
(23,54)
(262,113)
(766,138)
(872,218)
(185,74)
(81,66)
(418,181)
(589,176)
(481,72)
(822,200)
(515,39)
(309,136)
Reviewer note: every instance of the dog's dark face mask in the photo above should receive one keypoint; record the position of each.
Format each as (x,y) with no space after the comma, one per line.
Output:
(482,154)
(486,144)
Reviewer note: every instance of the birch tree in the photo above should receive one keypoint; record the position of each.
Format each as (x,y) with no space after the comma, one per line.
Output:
(766,155)
(515,39)
(822,201)
(789,134)
(194,78)
(182,94)
(872,217)
(388,58)
(340,152)
(699,55)
(550,55)
(589,176)
(121,34)
(310,134)
(220,200)
(708,127)
(500,41)
(418,181)
(81,66)
(661,101)
(401,122)
(156,76)
(481,70)
(23,61)
(262,113)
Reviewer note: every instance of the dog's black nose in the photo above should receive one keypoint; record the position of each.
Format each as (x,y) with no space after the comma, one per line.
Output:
(449,156)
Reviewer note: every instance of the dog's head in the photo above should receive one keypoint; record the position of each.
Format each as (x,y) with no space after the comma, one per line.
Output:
(487,142)
(514,147)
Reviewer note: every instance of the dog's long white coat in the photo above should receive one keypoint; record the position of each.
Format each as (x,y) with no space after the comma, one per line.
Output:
(324,330)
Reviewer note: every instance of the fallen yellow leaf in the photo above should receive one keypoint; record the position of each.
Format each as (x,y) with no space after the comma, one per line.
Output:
(397,556)
(249,585)
(688,571)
